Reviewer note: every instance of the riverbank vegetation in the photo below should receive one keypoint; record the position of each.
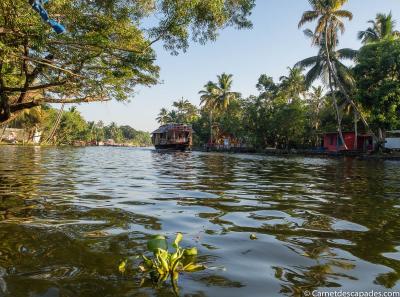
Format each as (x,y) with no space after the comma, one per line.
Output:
(339,89)
(68,127)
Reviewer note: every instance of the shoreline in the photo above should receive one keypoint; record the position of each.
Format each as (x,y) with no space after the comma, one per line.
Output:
(394,156)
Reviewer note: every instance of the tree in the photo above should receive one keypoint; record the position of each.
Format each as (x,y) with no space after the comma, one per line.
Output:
(292,86)
(107,49)
(318,65)
(162,117)
(315,102)
(329,15)
(186,111)
(383,27)
(216,97)
(377,75)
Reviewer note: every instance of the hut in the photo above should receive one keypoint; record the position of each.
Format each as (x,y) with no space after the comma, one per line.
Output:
(333,143)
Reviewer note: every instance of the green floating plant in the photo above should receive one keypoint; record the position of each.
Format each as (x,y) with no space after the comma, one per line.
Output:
(164,264)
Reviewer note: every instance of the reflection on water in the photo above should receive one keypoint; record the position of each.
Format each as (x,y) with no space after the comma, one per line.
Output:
(69,215)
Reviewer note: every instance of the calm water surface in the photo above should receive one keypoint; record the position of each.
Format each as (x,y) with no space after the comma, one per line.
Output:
(69,215)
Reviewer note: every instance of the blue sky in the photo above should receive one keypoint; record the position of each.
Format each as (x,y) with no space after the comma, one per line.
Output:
(270,47)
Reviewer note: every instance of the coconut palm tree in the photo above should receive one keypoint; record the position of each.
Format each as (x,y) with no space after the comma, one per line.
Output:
(162,117)
(315,100)
(293,85)
(186,111)
(318,65)
(216,97)
(382,27)
(329,16)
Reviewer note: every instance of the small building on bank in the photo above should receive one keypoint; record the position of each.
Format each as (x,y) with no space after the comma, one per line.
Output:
(392,140)
(333,143)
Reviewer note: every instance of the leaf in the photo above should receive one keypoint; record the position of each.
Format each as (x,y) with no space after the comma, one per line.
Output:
(122,266)
(191,252)
(178,239)
(194,267)
(157,242)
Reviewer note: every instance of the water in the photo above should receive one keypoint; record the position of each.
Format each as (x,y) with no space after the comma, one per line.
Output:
(68,216)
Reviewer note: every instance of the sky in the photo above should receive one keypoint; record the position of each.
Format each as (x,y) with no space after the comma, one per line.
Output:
(273,44)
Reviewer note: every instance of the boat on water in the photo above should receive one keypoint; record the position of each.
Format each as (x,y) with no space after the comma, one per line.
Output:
(173,137)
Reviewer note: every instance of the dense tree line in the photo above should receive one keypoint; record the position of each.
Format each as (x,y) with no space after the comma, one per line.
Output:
(319,94)
(59,126)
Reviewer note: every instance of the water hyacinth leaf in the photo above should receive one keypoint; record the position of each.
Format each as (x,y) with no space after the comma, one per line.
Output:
(122,266)
(178,239)
(157,242)
(191,252)
(194,267)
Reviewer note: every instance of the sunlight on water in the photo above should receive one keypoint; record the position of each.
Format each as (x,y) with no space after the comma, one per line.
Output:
(69,215)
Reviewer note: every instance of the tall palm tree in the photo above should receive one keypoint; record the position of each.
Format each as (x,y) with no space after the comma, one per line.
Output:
(223,91)
(318,65)
(382,27)
(162,117)
(216,97)
(315,100)
(329,16)
(186,111)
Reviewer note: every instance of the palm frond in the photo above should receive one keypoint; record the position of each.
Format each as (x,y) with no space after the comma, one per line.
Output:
(346,53)
(307,17)
(344,14)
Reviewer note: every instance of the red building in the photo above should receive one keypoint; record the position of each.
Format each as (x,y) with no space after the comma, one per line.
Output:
(333,143)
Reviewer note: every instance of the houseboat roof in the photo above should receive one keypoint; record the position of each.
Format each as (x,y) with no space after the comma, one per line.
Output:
(168,127)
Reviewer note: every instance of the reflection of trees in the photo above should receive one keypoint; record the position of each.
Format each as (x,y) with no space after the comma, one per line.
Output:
(297,279)
(314,198)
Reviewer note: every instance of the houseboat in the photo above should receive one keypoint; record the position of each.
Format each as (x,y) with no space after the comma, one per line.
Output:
(173,136)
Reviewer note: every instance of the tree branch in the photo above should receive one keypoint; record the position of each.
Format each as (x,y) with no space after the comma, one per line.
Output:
(38,87)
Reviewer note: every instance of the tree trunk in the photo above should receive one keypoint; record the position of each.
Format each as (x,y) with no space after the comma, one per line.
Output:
(332,70)
(211,129)
(339,120)
(56,123)
(2,132)
(355,131)
(338,117)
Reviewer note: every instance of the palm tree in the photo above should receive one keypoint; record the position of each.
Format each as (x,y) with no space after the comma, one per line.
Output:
(318,65)
(162,117)
(186,111)
(315,100)
(172,117)
(216,97)
(382,27)
(293,85)
(329,15)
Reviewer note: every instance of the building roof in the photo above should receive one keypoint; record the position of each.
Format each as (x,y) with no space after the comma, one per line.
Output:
(167,127)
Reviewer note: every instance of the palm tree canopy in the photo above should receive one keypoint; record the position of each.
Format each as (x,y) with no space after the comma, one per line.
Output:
(329,17)
(217,96)
(382,27)
(318,65)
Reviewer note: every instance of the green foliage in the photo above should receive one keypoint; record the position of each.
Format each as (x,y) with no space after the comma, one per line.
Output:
(107,49)
(383,27)
(165,264)
(378,82)
(184,112)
